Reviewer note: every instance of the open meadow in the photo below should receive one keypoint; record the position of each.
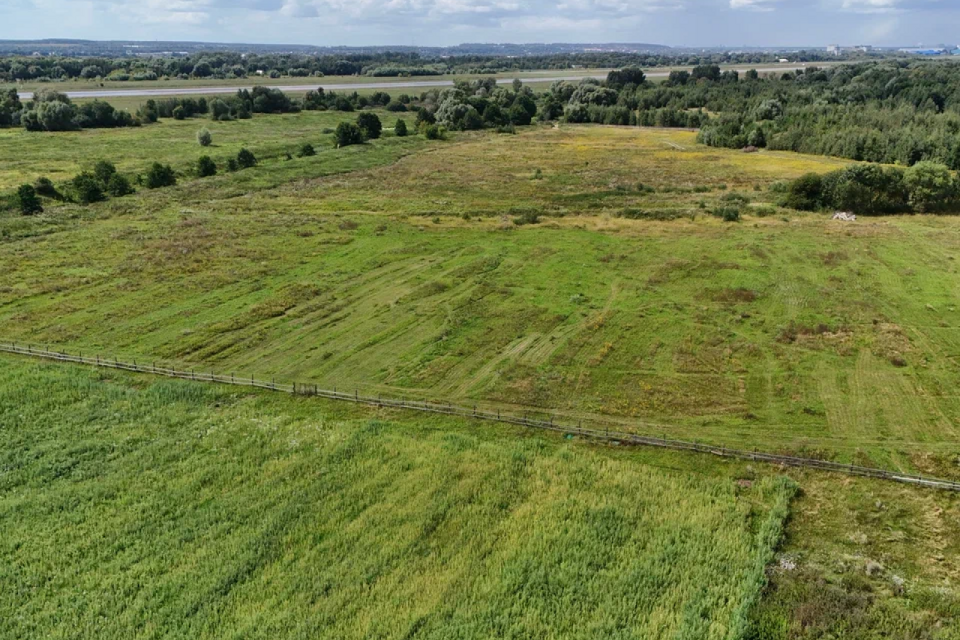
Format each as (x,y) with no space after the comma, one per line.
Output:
(398,267)
(579,269)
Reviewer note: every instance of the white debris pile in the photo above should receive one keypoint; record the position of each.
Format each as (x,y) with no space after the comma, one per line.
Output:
(846,217)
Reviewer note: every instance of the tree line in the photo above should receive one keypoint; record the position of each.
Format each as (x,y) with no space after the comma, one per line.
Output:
(229,65)
(871,189)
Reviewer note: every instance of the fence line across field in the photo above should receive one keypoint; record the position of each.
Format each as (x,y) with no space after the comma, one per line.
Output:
(308,389)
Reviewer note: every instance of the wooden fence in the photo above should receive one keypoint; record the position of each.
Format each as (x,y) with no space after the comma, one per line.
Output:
(548,424)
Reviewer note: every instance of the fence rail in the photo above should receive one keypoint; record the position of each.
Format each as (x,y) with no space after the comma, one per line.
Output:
(446,408)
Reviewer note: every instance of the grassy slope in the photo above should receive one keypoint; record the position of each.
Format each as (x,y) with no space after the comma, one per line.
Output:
(139,508)
(770,333)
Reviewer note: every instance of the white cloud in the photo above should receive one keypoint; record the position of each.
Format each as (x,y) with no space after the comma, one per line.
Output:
(434,22)
(753,5)
(870,6)
(490,12)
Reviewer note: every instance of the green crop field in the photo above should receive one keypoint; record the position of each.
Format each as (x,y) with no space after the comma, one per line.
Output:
(164,509)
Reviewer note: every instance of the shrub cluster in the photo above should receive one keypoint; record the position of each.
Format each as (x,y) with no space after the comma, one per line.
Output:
(873,189)
(53,111)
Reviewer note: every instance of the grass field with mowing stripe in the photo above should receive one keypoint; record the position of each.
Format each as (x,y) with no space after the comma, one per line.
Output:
(396,267)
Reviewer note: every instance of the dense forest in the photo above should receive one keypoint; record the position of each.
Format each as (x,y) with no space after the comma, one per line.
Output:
(892,112)
(225,65)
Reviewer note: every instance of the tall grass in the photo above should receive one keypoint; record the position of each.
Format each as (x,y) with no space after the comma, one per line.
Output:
(181,510)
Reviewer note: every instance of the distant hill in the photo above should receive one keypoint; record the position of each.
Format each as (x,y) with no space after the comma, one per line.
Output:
(114,48)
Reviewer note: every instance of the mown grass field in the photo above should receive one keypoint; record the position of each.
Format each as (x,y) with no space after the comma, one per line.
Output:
(137,508)
(407,275)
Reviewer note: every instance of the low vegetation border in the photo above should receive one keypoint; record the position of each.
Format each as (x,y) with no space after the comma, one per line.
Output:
(550,424)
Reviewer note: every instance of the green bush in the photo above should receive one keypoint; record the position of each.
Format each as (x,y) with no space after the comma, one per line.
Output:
(103,171)
(246,159)
(433,132)
(206,167)
(204,137)
(28,200)
(400,129)
(347,134)
(44,187)
(160,175)
(306,150)
(728,213)
(527,216)
(735,198)
(119,186)
(86,188)
(805,193)
(369,125)
(932,187)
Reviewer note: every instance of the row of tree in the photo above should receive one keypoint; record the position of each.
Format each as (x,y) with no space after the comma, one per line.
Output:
(104,180)
(925,187)
(229,65)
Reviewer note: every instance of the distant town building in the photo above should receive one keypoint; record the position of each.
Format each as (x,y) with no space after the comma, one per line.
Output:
(833,49)
(924,52)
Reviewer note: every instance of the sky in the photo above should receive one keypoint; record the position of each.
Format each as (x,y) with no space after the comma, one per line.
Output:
(449,22)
